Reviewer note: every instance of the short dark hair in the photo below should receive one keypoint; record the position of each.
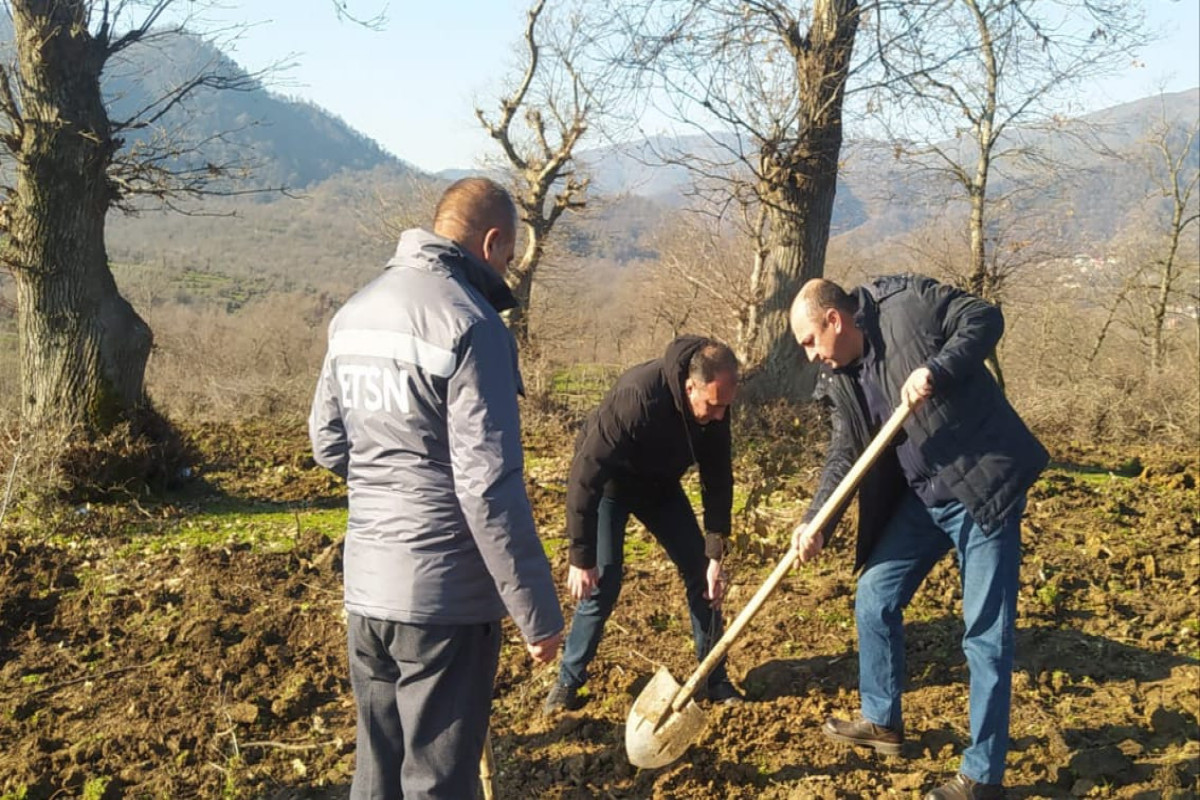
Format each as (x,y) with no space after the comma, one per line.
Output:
(711,359)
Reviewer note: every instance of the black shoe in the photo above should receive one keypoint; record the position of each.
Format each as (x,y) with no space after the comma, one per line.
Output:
(963,788)
(867,734)
(725,693)
(562,698)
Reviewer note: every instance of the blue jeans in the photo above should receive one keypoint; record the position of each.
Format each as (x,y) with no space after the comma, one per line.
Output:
(673,523)
(914,540)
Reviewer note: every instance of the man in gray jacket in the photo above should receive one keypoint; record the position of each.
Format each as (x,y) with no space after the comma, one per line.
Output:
(416,407)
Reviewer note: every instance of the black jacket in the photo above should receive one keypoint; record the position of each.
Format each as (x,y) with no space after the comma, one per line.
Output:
(967,431)
(638,443)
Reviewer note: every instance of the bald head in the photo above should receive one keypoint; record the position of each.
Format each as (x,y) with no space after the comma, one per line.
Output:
(479,215)
(818,295)
(822,321)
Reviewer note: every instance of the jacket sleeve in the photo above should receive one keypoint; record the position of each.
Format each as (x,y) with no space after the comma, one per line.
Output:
(839,457)
(605,437)
(484,434)
(716,486)
(971,328)
(326,429)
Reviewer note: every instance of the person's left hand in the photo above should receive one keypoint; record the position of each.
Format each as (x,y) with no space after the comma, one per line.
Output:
(543,652)
(807,543)
(918,388)
(716,584)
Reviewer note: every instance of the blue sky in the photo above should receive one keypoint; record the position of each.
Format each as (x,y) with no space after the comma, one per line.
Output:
(413,85)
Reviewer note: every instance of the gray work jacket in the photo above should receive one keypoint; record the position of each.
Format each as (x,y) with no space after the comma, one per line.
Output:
(416,407)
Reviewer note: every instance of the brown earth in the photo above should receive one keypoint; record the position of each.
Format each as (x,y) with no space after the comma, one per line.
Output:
(219,672)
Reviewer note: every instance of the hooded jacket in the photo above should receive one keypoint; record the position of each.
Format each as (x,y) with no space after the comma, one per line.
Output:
(967,432)
(638,443)
(416,407)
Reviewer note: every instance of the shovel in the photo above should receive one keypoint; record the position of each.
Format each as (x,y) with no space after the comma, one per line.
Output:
(665,720)
(487,769)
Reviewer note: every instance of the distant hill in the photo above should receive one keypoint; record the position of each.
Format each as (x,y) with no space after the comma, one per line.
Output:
(881,197)
(285,141)
(333,229)
(1099,188)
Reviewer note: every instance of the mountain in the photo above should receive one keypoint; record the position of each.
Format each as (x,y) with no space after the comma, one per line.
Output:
(879,197)
(283,141)
(334,227)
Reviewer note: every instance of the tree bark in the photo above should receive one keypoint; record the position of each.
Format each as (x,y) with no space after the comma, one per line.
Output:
(83,348)
(799,183)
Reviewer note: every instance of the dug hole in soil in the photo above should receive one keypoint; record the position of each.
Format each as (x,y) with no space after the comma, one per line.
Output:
(220,672)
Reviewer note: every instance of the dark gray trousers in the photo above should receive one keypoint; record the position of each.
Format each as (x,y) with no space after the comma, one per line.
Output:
(424,695)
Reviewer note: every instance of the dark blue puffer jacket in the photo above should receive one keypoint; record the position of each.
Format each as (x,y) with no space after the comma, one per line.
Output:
(967,431)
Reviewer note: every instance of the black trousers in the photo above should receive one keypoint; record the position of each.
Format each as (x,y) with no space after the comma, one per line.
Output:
(424,695)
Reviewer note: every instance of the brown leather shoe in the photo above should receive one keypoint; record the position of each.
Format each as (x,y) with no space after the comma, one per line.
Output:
(963,788)
(867,734)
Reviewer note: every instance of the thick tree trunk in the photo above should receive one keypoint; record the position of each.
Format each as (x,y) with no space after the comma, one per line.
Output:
(799,184)
(796,253)
(83,348)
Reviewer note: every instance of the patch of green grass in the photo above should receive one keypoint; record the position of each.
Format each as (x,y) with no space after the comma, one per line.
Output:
(1129,468)
(1049,595)
(639,549)
(1100,478)
(661,621)
(691,487)
(837,617)
(94,788)
(265,528)
(232,790)
(793,649)
(553,547)
(584,379)
(19,793)
(541,463)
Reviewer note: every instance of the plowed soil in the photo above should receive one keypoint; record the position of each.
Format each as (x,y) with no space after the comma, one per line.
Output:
(218,670)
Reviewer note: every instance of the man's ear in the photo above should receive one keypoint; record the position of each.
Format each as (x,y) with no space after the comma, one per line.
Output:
(834,317)
(491,238)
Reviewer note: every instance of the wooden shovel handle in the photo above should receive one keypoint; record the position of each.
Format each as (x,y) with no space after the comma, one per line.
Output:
(487,768)
(839,496)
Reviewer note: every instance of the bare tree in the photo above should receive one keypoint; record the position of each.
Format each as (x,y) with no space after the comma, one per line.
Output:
(967,90)
(540,124)
(82,346)
(700,274)
(763,83)
(1175,171)
(1163,279)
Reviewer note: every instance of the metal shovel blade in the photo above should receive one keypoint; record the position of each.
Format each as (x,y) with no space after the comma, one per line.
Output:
(656,734)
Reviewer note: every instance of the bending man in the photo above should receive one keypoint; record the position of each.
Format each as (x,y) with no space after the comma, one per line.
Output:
(956,479)
(658,419)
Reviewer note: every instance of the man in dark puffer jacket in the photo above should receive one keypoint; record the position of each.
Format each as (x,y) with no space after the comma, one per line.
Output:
(955,478)
(658,419)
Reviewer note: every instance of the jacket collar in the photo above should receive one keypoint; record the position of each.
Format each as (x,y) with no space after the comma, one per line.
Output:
(866,319)
(421,249)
